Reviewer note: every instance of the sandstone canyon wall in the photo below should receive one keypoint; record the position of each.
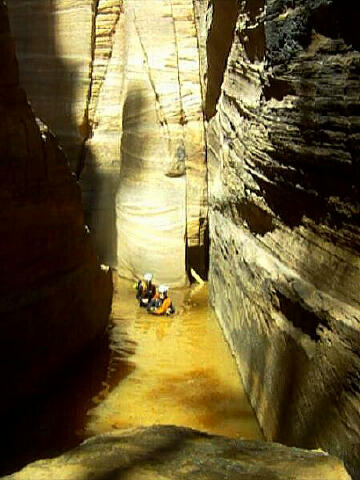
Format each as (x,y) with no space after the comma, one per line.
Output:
(54,297)
(161,201)
(283,155)
(119,83)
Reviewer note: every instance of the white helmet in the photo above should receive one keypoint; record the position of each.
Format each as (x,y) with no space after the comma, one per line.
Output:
(148,277)
(163,289)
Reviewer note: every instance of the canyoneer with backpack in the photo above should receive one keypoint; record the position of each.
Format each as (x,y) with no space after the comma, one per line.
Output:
(145,290)
(161,304)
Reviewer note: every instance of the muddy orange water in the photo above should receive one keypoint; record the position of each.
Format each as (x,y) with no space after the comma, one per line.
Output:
(171,370)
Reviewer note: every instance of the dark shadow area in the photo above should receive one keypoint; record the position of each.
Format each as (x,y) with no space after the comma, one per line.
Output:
(300,317)
(53,419)
(122,347)
(198,257)
(119,368)
(99,191)
(258,220)
(48,270)
(337,22)
(248,215)
(218,47)
(253,35)
(278,89)
(133,141)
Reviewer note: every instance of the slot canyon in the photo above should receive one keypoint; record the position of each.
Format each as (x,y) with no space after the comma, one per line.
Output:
(215,144)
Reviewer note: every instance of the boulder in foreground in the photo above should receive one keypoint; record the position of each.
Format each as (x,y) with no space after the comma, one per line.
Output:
(169,452)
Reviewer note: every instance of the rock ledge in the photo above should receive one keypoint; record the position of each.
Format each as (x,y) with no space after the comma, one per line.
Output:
(169,452)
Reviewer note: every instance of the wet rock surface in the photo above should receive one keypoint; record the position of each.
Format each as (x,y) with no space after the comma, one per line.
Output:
(54,297)
(283,156)
(177,453)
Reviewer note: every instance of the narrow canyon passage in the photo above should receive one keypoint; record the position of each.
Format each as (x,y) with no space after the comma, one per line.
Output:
(174,370)
(221,136)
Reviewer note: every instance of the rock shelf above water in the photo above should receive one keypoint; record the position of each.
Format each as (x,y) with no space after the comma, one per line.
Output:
(168,452)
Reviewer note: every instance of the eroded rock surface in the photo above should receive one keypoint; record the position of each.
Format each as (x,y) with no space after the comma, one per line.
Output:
(54,297)
(125,98)
(177,453)
(283,153)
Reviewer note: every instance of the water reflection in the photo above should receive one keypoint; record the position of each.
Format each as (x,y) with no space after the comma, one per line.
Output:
(173,370)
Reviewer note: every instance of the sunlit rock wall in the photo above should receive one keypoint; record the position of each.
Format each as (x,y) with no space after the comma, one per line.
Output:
(54,297)
(125,98)
(283,154)
(161,200)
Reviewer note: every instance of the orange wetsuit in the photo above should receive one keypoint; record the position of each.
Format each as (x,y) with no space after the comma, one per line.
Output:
(163,307)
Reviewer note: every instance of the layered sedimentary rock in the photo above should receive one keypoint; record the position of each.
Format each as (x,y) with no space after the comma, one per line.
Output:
(283,153)
(54,297)
(130,118)
(162,191)
(178,453)
(54,44)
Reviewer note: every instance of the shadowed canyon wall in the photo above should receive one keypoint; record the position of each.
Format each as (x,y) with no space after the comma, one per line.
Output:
(125,100)
(54,297)
(283,155)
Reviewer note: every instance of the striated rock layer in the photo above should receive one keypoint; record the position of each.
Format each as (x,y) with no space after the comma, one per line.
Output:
(168,452)
(283,154)
(161,200)
(125,98)
(54,297)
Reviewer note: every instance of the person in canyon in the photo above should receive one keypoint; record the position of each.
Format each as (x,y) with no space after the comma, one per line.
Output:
(145,290)
(161,304)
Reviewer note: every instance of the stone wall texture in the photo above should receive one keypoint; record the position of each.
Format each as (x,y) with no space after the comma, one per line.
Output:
(170,452)
(283,155)
(120,84)
(54,297)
